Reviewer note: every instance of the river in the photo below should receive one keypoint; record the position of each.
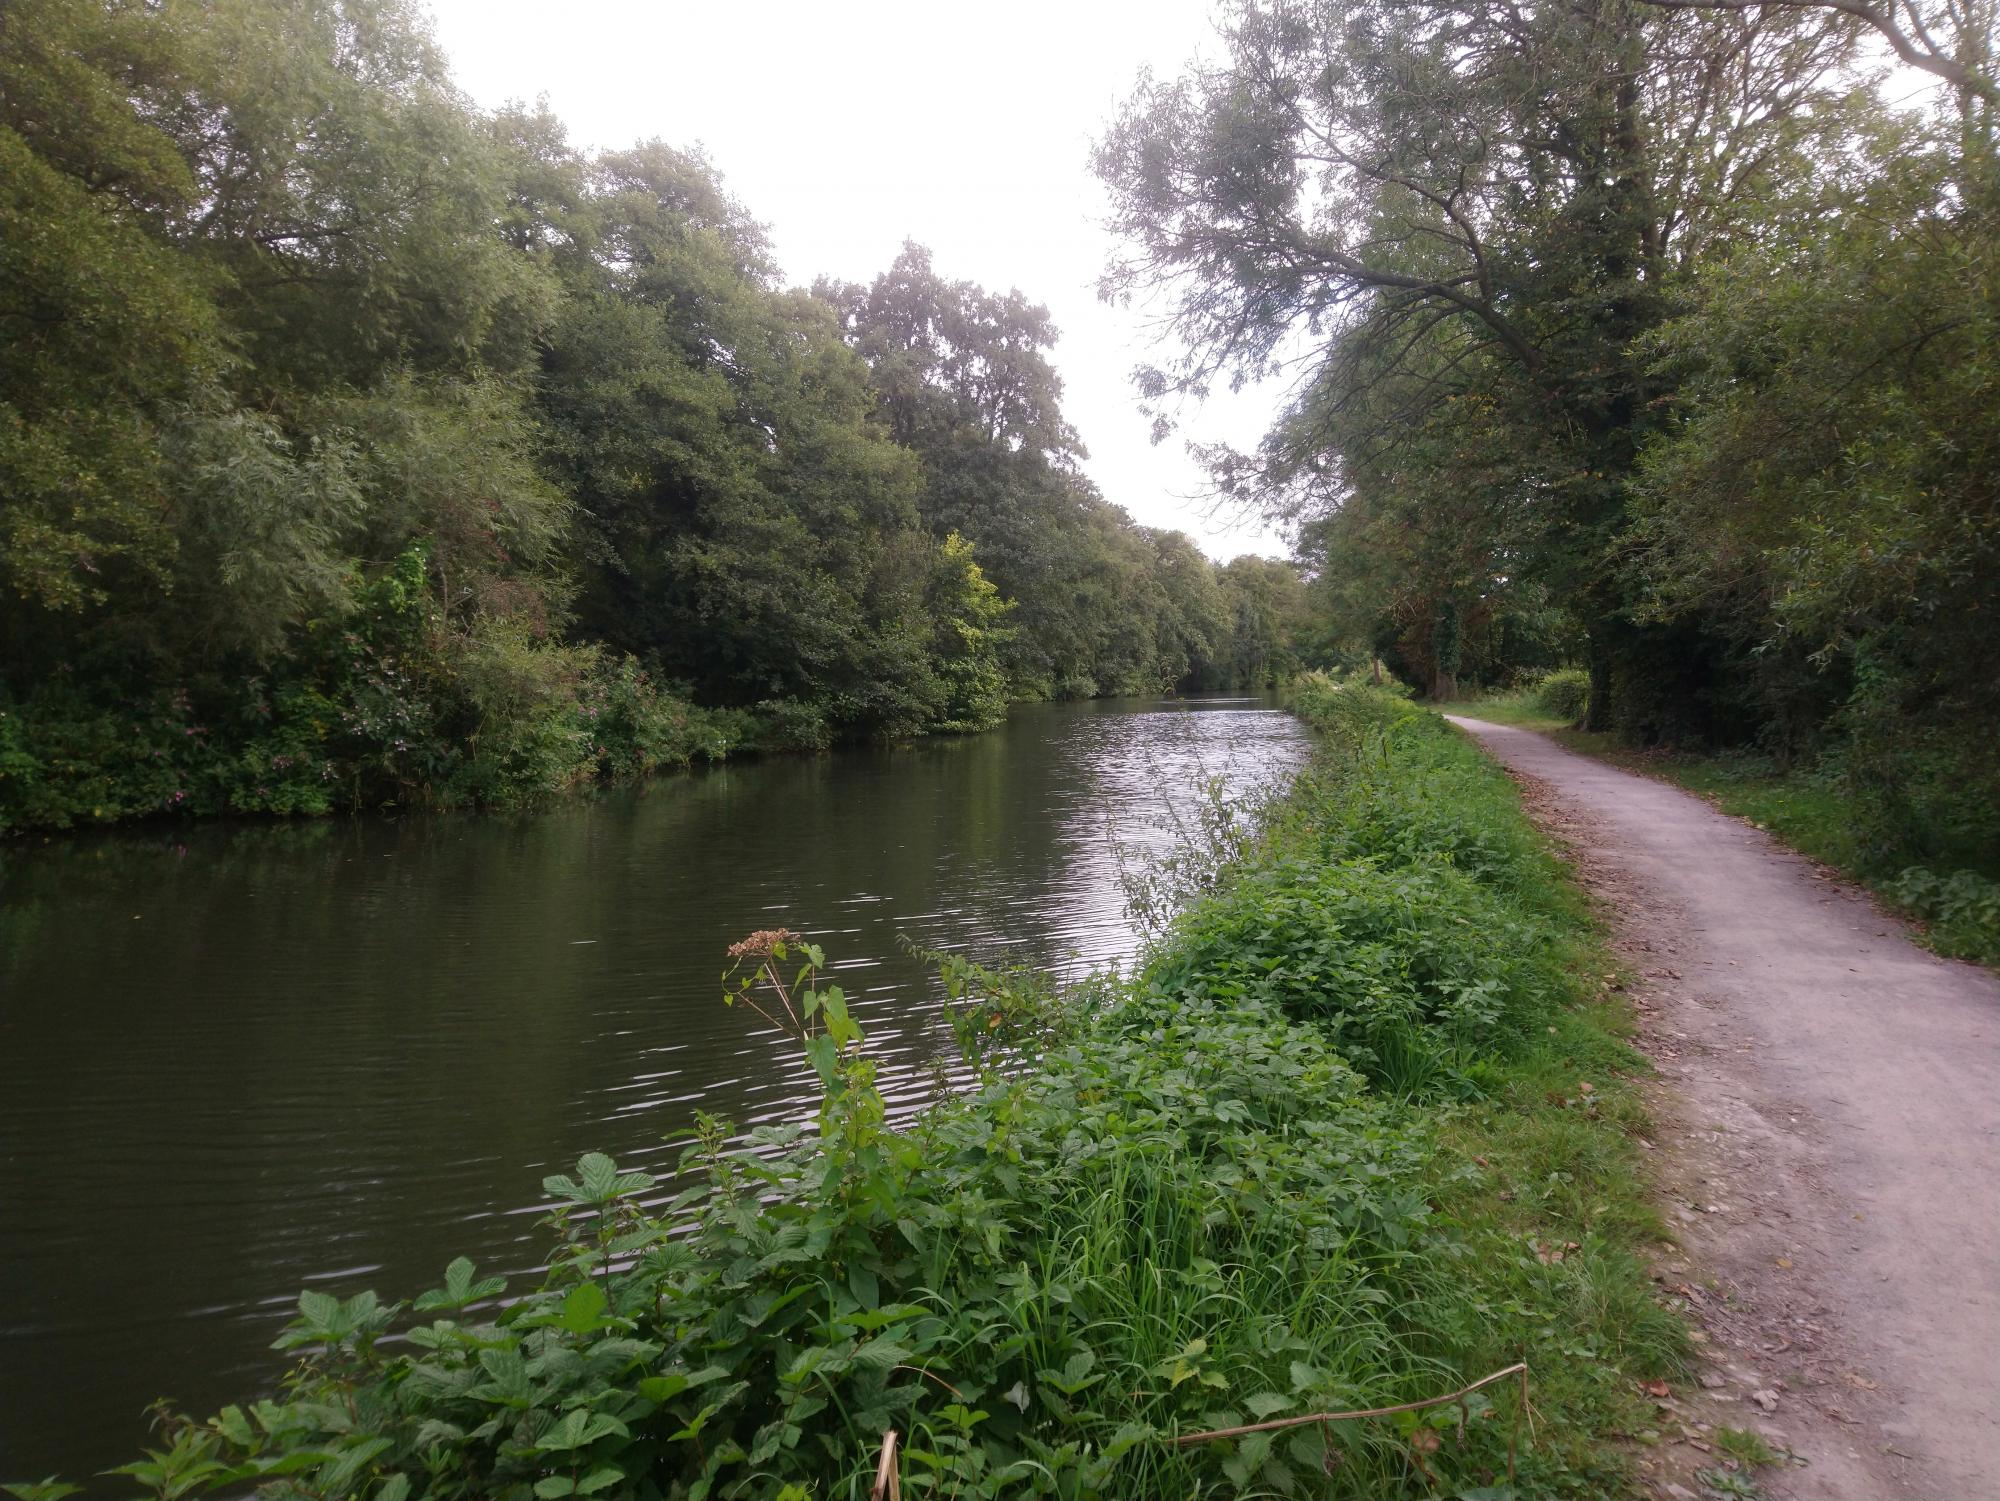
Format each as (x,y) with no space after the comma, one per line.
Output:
(238,1061)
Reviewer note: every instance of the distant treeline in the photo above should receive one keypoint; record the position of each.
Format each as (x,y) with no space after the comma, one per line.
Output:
(358,445)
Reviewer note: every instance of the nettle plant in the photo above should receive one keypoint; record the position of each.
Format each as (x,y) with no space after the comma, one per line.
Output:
(611,1376)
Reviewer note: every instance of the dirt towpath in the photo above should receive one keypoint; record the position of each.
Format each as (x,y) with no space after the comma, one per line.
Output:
(1827,1142)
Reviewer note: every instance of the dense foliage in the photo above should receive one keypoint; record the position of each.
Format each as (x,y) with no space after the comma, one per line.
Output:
(1655,338)
(1329,1149)
(359,446)
(1564,693)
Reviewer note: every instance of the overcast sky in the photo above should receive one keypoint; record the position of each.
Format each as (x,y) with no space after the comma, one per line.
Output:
(849,127)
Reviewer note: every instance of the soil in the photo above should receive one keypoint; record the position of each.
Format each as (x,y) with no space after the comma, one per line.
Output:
(1826,1118)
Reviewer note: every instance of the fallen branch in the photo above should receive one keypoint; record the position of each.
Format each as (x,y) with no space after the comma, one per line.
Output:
(1519,1368)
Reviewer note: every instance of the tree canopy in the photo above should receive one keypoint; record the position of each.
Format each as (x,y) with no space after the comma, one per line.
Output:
(359,445)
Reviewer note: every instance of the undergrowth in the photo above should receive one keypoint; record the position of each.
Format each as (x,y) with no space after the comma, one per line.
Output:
(1354,1136)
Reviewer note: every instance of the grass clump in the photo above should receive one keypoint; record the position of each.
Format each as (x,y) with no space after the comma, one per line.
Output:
(1746,1446)
(1354,1136)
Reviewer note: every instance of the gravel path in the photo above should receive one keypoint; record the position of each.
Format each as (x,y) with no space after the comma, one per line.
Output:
(1827,1142)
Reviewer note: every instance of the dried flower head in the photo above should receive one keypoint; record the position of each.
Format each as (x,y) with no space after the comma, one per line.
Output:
(760,943)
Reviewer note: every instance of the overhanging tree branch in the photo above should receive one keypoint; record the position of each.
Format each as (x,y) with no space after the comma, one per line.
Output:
(1920,50)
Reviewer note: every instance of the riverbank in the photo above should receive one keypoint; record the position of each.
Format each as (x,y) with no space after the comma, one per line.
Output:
(1807,807)
(264,753)
(1358,1135)
(372,729)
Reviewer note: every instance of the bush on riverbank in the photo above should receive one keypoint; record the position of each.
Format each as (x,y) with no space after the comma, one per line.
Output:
(1170,1204)
(377,705)
(360,732)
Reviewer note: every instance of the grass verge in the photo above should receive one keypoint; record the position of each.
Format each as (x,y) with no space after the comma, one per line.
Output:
(1357,1134)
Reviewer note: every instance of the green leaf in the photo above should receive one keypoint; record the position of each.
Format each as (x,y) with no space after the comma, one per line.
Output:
(1128,1437)
(1075,1375)
(865,1286)
(234,1426)
(673,1383)
(50,1489)
(597,1182)
(695,1424)
(578,1428)
(290,1463)
(319,1310)
(868,1321)
(882,1352)
(337,1477)
(583,1309)
(460,1288)
(823,1053)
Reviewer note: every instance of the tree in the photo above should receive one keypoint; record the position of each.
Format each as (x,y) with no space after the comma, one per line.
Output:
(1825,498)
(967,609)
(1419,203)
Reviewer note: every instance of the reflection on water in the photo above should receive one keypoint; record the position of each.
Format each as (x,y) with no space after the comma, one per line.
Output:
(236,1062)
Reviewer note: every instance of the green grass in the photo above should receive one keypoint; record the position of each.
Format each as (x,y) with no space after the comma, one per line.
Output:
(1746,1446)
(1358,1133)
(1805,809)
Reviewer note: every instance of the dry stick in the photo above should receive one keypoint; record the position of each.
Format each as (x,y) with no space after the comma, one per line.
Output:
(888,1483)
(778,985)
(931,1376)
(744,997)
(1519,1368)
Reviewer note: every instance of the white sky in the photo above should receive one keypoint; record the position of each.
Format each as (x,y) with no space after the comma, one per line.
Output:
(849,127)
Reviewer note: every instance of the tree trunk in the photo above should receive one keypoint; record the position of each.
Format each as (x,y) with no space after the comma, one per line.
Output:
(1597,713)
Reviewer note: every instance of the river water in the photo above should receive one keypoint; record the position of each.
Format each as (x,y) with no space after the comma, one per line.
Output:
(235,1062)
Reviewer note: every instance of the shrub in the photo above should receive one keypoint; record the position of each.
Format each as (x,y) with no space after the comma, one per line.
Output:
(1349,713)
(1565,693)
(1963,909)
(376,705)
(1414,975)
(1076,685)
(1393,918)
(637,728)
(790,724)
